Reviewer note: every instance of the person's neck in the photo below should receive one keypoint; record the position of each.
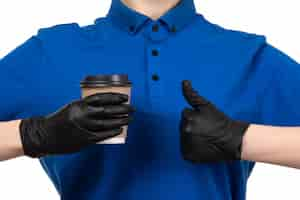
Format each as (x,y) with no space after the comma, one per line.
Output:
(151,8)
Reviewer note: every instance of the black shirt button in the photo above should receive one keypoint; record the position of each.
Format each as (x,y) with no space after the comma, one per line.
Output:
(155,28)
(154,52)
(155,77)
(173,29)
(131,28)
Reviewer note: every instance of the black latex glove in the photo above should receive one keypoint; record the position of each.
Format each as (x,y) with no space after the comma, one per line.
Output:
(75,126)
(207,134)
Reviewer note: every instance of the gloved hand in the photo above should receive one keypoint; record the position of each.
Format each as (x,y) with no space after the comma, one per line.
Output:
(75,126)
(207,134)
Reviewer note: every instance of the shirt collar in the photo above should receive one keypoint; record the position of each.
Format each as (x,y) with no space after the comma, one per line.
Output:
(131,21)
(179,16)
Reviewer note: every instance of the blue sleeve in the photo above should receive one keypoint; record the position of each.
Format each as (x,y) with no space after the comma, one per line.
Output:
(281,96)
(275,79)
(17,71)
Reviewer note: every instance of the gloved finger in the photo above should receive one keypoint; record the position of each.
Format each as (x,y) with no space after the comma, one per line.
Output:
(109,110)
(185,123)
(101,99)
(188,114)
(103,135)
(107,124)
(191,95)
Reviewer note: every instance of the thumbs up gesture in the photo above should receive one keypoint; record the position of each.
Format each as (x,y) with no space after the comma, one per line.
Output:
(207,134)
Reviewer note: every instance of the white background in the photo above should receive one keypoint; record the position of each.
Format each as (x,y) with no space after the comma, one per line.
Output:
(24,178)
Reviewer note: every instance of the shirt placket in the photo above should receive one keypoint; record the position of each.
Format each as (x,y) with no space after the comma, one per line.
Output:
(155,34)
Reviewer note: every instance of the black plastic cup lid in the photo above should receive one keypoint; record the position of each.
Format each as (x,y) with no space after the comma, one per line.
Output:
(105,80)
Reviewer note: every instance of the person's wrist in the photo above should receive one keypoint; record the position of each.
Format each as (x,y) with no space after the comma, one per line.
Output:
(245,153)
(238,130)
(14,142)
(28,129)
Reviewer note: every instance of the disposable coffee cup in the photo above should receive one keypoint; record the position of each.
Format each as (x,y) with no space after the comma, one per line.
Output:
(116,83)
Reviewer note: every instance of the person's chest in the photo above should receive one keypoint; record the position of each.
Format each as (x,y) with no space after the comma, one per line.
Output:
(156,77)
(156,68)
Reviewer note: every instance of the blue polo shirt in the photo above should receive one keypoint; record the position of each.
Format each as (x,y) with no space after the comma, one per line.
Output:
(239,72)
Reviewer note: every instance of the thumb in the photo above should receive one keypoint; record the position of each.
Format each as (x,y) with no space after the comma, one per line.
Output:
(192,96)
